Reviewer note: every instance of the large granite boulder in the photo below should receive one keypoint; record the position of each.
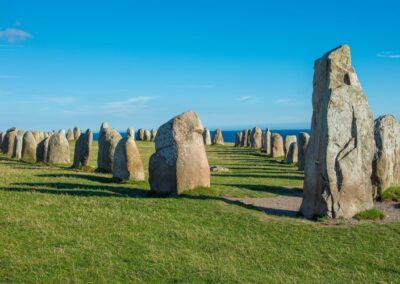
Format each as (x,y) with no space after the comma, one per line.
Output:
(180,162)
(218,139)
(256,138)
(108,140)
(58,149)
(238,139)
(207,136)
(17,148)
(341,149)
(303,140)
(29,147)
(8,141)
(277,146)
(267,142)
(82,149)
(127,163)
(386,164)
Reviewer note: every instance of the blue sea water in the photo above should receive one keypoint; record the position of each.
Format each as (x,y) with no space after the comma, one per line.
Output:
(229,135)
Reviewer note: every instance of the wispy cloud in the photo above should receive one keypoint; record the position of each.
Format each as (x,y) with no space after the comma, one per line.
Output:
(62,100)
(2,76)
(244,98)
(13,35)
(199,86)
(388,54)
(127,106)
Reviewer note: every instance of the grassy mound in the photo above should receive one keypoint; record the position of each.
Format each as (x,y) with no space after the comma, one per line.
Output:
(371,214)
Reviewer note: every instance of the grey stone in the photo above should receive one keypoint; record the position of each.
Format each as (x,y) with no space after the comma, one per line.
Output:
(83,149)
(127,163)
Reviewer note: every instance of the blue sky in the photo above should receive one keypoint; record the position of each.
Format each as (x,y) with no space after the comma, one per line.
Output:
(139,63)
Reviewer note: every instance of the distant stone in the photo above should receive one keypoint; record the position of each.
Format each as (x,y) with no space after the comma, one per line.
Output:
(256,138)
(130,133)
(292,154)
(77,133)
(277,146)
(127,162)
(386,164)
(70,135)
(207,136)
(267,142)
(147,135)
(82,149)
(304,138)
(238,139)
(289,139)
(29,146)
(17,148)
(8,141)
(218,139)
(243,142)
(140,134)
(153,134)
(43,150)
(58,149)
(180,162)
(339,157)
(219,169)
(248,142)
(108,141)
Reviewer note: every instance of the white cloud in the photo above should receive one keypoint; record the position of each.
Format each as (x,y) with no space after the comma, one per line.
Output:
(13,35)
(244,98)
(206,86)
(127,106)
(388,54)
(62,100)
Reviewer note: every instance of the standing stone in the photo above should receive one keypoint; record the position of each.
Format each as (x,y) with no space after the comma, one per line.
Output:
(17,148)
(43,150)
(248,142)
(341,149)
(243,142)
(82,149)
(130,133)
(1,141)
(267,142)
(277,146)
(386,164)
(180,162)
(29,146)
(8,141)
(293,153)
(108,140)
(140,134)
(207,136)
(238,139)
(255,138)
(70,135)
(153,134)
(218,139)
(147,135)
(289,139)
(77,133)
(127,162)
(36,135)
(58,149)
(304,138)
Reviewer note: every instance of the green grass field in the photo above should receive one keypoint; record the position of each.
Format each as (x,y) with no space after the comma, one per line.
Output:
(63,225)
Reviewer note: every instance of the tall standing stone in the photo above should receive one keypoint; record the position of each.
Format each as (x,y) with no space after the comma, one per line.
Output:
(77,133)
(238,139)
(180,162)
(207,136)
(127,162)
(17,148)
(289,139)
(267,142)
(340,152)
(303,139)
(36,135)
(8,141)
(277,146)
(153,134)
(218,139)
(70,135)
(292,154)
(248,142)
(43,150)
(386,164)
(58,149)
(108,140)
(82,149)
(256,138)
(243,142)
(29,147)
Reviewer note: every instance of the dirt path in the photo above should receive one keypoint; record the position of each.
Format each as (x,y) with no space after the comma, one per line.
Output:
(289,205)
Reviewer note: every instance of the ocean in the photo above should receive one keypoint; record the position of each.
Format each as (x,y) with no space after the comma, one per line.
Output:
(229,135)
